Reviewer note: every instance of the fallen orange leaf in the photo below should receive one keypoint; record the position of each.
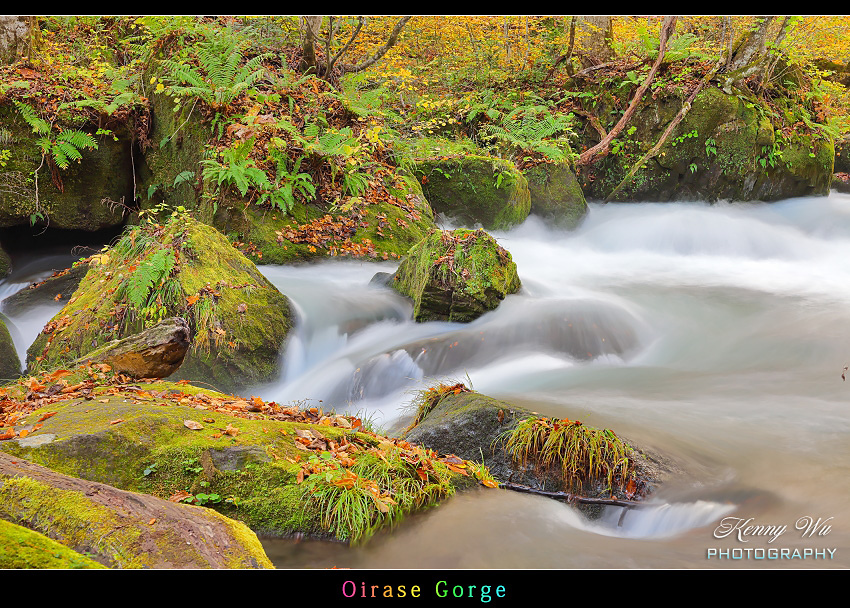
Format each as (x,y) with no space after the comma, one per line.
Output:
(116,421)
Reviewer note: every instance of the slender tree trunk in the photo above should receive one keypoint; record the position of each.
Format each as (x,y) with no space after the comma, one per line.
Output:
(601,149)
(309,26)
(599,34)
(15,37)
(749,54)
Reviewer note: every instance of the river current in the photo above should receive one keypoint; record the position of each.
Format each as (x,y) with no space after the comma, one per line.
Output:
(713,334)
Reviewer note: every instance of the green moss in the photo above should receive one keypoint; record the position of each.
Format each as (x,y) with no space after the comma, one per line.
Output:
(556,194)
(10,365)
(456,275)
(23,548)
(476,190)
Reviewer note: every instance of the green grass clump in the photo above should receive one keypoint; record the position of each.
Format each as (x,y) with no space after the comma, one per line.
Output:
(583,454)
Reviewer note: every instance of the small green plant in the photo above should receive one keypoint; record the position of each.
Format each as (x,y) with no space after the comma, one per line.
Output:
(710,147)
(150,469)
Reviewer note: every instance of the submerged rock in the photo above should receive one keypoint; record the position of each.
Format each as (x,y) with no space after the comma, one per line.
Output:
(456,276)
(123,529)
(238,319)
(474,190)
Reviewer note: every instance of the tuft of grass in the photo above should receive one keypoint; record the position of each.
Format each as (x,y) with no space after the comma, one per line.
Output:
(425,401)
(583,454)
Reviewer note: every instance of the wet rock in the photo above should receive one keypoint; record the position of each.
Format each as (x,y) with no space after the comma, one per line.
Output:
(456,276)
(156,352)
(57,288)
(475,427)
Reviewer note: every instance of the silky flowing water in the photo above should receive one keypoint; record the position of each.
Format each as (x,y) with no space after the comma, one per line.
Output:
(713,334)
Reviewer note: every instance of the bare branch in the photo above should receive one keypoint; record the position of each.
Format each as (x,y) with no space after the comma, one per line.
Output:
(383,49)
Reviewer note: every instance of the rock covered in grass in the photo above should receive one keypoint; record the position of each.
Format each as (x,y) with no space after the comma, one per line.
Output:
(183,268)
(453,419)
(476,190)
(456,275)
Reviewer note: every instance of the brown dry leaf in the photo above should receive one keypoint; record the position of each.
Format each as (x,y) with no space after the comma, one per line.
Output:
(178,496)
(300,477)
(152,521)
(59,373)
(490,483)
(104,367)
(46,416)
(103,400)
(10,434)
(216,435)
(501,416)
(231,430)
(191,424)
(23,433)
(116,421)
(36,427)
(209,420)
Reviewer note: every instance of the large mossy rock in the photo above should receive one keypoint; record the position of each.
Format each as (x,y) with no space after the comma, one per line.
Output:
(123,529)
(83,203)
(556,195)
(10,364)
(726,148)
(475,190)
(474,426)
(456,275)
(239,321)
(251,461)
(379,229)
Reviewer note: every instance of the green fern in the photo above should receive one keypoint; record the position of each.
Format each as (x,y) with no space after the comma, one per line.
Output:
(151,273)
(61,148)
(531,128)
(220,77)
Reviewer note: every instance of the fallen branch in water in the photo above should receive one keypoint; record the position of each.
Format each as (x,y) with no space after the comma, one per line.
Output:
(629,504)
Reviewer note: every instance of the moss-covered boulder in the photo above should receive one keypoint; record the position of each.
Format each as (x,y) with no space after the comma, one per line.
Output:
(726,148)
(80,198)
(454,420)
(22,548)
(456,275)
(475,189)
(556,195)
(10,364)
(123,529)
(381,228)
(238,320)
(278,469)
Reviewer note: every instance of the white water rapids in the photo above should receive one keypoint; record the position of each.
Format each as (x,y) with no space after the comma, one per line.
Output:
(715,335)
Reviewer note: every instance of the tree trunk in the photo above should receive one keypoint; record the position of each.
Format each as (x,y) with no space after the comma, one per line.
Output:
(14,37)
(599,34)
(748,56)
(309,26)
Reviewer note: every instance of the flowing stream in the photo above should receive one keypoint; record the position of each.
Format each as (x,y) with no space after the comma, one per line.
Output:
(715,335)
